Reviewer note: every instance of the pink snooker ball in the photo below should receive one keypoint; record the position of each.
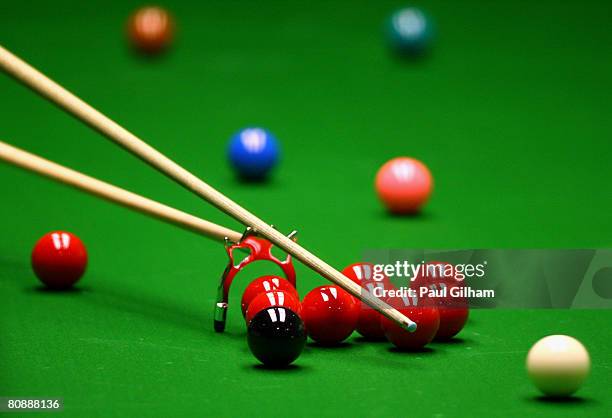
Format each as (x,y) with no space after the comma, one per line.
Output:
(403,185)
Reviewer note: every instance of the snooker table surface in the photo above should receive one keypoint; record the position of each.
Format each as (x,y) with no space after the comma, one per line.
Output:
(508,112)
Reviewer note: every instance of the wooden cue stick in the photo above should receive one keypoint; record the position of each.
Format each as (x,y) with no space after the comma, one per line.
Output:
(31,162)
(47,88)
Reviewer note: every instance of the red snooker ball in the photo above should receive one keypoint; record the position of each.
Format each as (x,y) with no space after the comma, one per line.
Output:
(330,314)
(277,298)
(427,319)
(454,311)
(452,321)
(368,324)
(265,284)
(403,185)
(59,259)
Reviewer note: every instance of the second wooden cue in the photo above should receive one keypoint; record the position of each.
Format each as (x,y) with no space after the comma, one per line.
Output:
(39,165)
(84,112)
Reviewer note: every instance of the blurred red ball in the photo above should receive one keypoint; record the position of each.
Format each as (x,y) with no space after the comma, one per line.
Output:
(151,29)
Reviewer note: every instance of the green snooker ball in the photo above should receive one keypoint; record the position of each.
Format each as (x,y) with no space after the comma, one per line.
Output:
(409,31)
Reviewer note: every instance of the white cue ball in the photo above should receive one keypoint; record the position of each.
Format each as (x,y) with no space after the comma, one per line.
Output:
(558,364)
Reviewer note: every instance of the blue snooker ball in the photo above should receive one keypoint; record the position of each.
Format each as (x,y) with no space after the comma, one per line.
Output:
(253,153)
(410,31)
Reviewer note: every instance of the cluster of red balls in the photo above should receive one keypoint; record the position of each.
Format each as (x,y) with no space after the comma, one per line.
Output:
(330,314)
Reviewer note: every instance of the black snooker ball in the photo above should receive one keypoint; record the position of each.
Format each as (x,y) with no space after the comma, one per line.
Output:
(276,336)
